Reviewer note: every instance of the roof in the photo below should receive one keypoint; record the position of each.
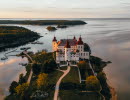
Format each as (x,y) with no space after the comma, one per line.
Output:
(63,42)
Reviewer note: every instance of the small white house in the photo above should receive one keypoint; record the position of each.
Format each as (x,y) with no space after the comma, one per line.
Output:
(69,49)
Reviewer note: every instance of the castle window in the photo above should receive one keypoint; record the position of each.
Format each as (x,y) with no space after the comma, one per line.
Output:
(81,54)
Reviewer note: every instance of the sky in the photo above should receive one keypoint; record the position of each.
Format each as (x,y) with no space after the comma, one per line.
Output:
(64,8)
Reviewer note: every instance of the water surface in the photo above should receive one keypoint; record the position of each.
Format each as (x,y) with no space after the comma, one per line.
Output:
(108,39)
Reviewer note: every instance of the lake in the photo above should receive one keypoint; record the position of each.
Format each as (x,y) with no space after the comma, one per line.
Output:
(109,39)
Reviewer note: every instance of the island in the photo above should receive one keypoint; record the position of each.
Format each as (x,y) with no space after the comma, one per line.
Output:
(43,22)
(13,36)
(51,78)
(50,28)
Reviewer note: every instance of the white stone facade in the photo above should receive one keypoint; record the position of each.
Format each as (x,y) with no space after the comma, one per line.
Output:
(69,50)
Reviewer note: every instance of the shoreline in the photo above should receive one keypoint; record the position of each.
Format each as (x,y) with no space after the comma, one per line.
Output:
(112,91)
(44,22)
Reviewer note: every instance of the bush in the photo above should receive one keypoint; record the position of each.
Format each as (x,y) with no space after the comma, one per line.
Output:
(36,68)
(21,79)
(82,65)
(93,84)
(12,87)
(20,89)
(49,66)
(42,80)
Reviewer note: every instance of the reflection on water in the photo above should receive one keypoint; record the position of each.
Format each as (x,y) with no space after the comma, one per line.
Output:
(109,39)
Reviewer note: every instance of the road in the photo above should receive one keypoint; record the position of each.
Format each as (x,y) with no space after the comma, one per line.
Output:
(31,72)
(58,83)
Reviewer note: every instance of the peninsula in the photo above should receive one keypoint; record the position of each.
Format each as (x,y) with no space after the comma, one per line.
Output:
(69,72)
(13,36)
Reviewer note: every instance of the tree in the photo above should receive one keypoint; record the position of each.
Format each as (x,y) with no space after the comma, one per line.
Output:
(82,65)
(36,68)
(42,80)
(93,84)
(21,79)
(102,77)
(20,89)
(12,87)
(49,66)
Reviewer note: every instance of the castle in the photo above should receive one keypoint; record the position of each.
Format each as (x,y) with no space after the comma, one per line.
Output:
(70,50)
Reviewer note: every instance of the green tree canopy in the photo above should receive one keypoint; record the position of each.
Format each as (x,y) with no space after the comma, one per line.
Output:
(21,79)
(12,87)
(49,66)
(36,68)
(42,80)
(92,83)
(20,89)
(82,64)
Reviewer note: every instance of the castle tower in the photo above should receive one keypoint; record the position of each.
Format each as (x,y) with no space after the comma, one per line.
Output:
(67,51)
(57,56)
(80,45)
(54,44)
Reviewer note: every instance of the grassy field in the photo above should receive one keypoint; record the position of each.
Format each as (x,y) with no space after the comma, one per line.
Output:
(53,77)
(72,76)
(76,95)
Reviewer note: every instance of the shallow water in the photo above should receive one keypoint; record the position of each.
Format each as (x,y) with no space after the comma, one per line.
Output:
(108,39)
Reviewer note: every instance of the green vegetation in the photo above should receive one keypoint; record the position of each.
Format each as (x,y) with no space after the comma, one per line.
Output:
(105,88)
(13,36)
(87,48)
(43,22)
(45,76)
(72,76)
(20,89)
(42,80)
(50,28)
(13,85)
(97,63)
(93,84)
(76,95)
(83,67)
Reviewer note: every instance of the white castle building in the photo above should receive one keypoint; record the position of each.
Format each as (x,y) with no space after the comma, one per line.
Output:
(69,50)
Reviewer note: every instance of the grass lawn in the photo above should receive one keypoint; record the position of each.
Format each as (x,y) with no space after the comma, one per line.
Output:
(63,68)
(53,77)
(72,76)
(75,95)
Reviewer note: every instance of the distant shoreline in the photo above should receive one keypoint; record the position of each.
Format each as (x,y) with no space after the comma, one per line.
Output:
(43,22)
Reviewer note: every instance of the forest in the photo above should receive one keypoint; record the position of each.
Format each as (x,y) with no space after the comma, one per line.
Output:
(43,22)
(13,36)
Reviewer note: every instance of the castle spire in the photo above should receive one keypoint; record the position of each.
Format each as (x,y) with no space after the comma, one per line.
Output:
(67,44)
(74,38)
(80,42)
(54,39)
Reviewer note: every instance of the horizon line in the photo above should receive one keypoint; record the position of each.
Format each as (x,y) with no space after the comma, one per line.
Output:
(68,18)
